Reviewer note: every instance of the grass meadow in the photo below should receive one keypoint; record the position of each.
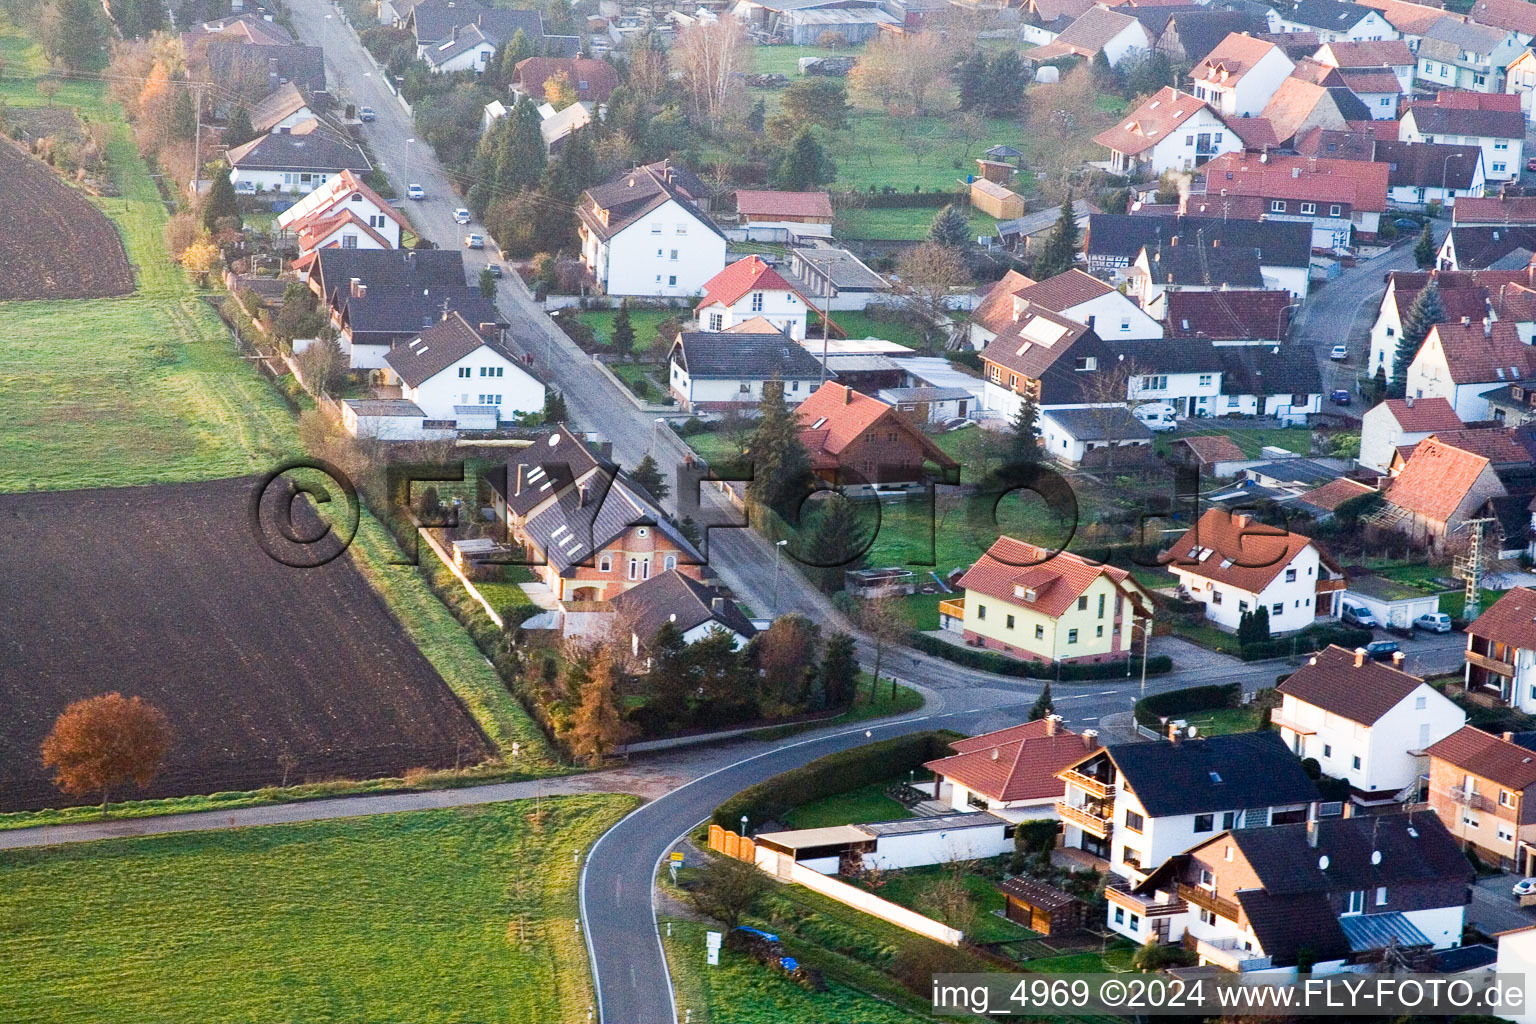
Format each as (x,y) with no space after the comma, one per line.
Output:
(466,914)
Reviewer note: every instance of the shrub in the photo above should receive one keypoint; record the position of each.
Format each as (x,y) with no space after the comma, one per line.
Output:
(1152,957)
(1151,710)
(836,773)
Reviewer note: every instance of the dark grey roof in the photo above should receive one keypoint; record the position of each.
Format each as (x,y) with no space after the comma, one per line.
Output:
(635,193)
(1190,263)
(1280,243)
(1269,370)
(1218,773)
(1303,471)
(1331,15)
(1515,259)
(727,356)
(502,24)
(562,46)
(1190,355)
(1478,248)
(1497,124)
(387,270)
(384,407)
(1414,847)
(1200,30)
(922,394)
(467,38)
(317,151)
(846,271)
(681,600)
(1285,925)
(1367,932)
(1350,106)
(233,63)
(435,349)
(1155,19)
(1466,958)
(1417,165)
(1101,424)
(435,20)
(394,316)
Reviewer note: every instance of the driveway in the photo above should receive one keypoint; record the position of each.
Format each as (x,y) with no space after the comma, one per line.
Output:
(1493,907)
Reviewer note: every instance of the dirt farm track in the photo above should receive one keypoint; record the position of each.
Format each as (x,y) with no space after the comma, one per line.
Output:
(162,592)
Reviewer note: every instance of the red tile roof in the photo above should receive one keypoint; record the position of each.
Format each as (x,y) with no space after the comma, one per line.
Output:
(1335,493)
(1476,357)
(1058,580)
(1224,547)
(1014,769)
(1233,58)
(1150,123)
(995,312)
(1362,185)
(1418,415)
(1514,15)
(835,416)
(313,229)
(741,277)
(601,78)
(1228,316)
(1494,209)
(1488,757)
(1354,687)
(987,740)
(1063,291)
(783,204)
(1363,80)
(1389,53)
(1408,18)
(1511,619)
(1436,480)
(1256,132)
(1493,443)
(1213,448)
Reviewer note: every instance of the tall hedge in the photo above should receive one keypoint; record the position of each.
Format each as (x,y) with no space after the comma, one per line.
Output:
(1308,640)
(991,661)
(1151,710)
(775,797)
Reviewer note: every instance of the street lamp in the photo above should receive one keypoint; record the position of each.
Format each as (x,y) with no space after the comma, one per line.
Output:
(778,549)
(408,143)
(1444,170)
(1145,625)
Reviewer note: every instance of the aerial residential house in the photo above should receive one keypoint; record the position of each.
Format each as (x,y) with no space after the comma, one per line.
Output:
(1391,55)
(1520,79)
(1410,19)
(1460,295)
(1493,122)
(1462,361)
(1281,382)
(345,213)
(1487,248)
(1401,421)
(857,441)
(835,279)
(1213,456)
(1029,603)
(1341,199)
(1300,105)
(1483,787)
(695,608)
(792,213)
(282,110)
(1086,299)
(294,162)
(1011,772)
(1512,15)
(1439,488)
(1098,30)
(751,288)
(1495,211)
(1232,564)
(458,371)
(1135,805)
(588,533)
(259,69)
(1240,75)
(1114,241)
(1423,173)
(592,80)
(643,234)
(1307,897)
(1170,130)
(1191,33)
(1332,21)
(1194,264)
(555,126)
(1365,722)
(1234,316)
(251,29)
(721,372)
(468,49)
(1069,435)
(1501,651)
(1053,358)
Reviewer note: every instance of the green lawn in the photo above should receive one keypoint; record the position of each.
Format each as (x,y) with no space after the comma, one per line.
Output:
(1223,721)
(641,379)
(867,803)
(1294,439)
(905,224)
(957,531)
(454,915)
(1115,959)
(644,321)
(914,887)
(862,324)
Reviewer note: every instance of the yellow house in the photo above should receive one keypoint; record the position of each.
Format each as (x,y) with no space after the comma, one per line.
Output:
(1022,603)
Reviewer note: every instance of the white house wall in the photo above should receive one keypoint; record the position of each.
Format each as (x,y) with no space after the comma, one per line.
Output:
(639,260)
(518,392)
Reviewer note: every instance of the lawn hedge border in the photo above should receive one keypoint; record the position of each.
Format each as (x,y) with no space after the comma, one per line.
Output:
(991,661)
(1151,710)
(1307,641)
(775,797)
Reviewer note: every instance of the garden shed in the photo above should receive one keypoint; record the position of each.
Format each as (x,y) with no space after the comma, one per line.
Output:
(1043,908)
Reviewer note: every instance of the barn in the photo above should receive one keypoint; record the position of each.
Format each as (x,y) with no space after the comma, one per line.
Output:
(1043,908)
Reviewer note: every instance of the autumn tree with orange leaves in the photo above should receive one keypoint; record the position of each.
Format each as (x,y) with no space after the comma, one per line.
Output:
(101,742)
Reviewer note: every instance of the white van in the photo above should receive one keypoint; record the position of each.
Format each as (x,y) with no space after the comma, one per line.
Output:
(1156,417)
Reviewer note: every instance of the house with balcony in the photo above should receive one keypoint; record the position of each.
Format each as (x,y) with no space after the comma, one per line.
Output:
(1457,54)
(1501,652)
(1036,351)
(1169,131)
(1483,787)
(1330,892)
(1027,602)
(1491,121)
(1232,565)
(1134,805)
(1013,772)
(1365,722)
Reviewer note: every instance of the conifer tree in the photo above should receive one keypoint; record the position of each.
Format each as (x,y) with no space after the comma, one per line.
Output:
(949,227)
(781,467)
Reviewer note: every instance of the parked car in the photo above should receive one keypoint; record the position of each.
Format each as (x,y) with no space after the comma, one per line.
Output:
(1407,224)
(957,422)
(1157,417)
(1530,164)
(1339,353)
(415,192)
(1381,650)
(1339,397)
(461,215)
(1525,887)
(365,113)
(494,269)
(1358,616)
(1434,622)
(474,241)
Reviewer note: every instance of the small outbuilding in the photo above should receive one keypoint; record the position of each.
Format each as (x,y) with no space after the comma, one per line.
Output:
(1043,908)
(1395,605)
(996,201)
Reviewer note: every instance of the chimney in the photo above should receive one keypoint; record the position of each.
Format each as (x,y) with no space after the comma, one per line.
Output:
(1052,723)
(717,605)
(1312,832)
(1348,810)
(1173,240)
(1398,657)
(359,290)
(995,753)
(1295,172)
(847,396)
(1359,656)
(1173,732)
(488,330)
(1408,401)
(1091,739)
(1509,737)
(581,496)
(1215,243)
(1091,319)
(1466,321)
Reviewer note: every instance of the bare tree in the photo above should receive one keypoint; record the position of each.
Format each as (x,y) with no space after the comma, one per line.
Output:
(900,72)
(929,274)
(711,56)
(882,623)
(1111,394)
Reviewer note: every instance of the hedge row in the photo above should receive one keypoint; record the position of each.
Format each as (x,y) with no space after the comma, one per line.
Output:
(1151,710)
(1306,642)
(898,200)
(991,661)
(775,797)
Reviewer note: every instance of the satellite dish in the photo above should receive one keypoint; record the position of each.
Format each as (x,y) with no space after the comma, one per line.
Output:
(1322,863)
(1192,732)
(1375,856)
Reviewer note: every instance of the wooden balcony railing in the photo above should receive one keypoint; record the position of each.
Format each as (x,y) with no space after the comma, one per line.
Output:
(1120,893)
(1085,819)
(1493,665)
(1088,784)
(1207,899)
(956,609)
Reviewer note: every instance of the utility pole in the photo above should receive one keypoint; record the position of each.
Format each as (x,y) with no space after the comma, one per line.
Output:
(1470,567)
(197,135)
